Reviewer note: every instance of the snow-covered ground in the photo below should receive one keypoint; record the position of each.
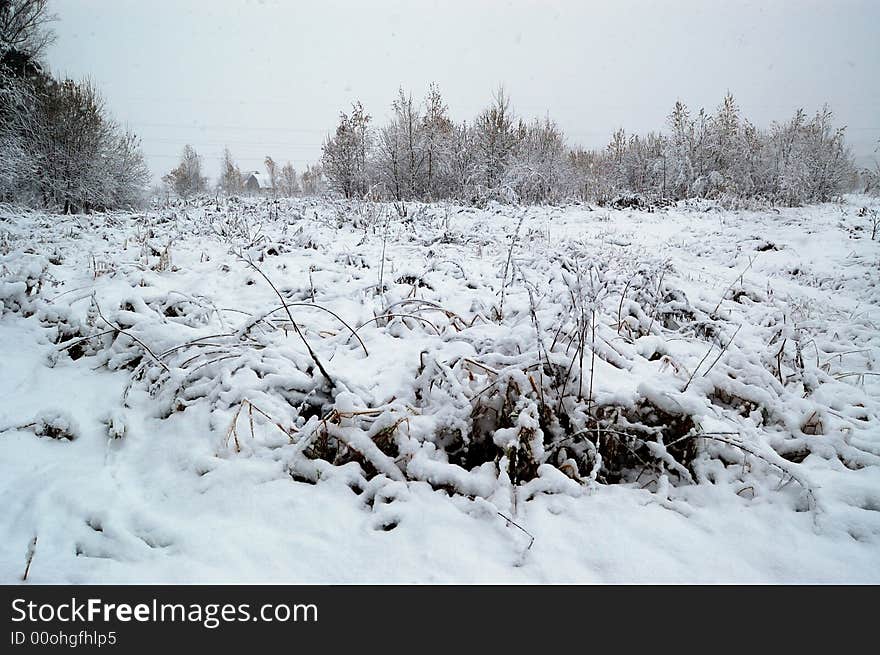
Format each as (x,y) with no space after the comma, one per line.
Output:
(523,400)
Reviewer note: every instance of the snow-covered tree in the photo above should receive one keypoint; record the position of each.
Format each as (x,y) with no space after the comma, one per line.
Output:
(495,139)
(871,176)
(462,164)
(312,180)
(345,153)
(828,159)
(288,181)
(74,162)
(420,153)
(590,175)
(723,147)
(18,129)
(537,166)
(59,146)
(408,120)
(272,171)
(680,155)
(400,161)
(128,172)
(437,131)
(388,161)
(230,181)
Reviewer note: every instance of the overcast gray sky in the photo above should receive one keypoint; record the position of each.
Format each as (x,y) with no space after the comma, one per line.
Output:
(270,77)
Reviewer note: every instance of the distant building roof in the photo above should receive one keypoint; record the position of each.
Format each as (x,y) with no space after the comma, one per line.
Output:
(260,179)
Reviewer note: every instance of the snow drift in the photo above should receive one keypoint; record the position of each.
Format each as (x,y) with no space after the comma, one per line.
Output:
(328,391)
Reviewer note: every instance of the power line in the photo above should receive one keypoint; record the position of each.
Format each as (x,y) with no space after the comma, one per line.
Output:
(205,126)
(239,144)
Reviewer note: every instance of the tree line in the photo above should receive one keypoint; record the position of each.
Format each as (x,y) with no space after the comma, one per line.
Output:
(186,179)
(421,153)
(59,146)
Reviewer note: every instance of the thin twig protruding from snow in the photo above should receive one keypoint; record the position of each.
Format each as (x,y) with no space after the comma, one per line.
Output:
(515,524)
(130,336)
(299,333)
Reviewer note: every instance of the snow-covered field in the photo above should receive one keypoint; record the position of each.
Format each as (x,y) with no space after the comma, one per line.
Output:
(532,394)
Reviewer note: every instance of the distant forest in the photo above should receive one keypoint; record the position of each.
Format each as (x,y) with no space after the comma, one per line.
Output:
(423,154)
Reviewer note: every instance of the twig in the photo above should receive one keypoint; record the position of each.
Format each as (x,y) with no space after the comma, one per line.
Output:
(382,264)
(730,286)
(515,524)
(592,363)
(715,436)
(299,333)
(130,336)
(657,303)
(708,352)
(31,551)
(723,350)
(413,316)
(323,309)
(67,346)
(620,306)
(513,241)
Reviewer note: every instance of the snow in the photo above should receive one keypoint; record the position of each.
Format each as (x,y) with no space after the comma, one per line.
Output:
(162,420)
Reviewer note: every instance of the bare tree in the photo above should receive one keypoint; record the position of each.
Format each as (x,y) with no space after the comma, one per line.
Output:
(230,175)
(311,180)
(288,180)
(24,27)
(272,170)
(187,180)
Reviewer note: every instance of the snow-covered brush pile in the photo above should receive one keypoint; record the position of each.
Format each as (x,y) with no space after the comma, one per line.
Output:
(497,354)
